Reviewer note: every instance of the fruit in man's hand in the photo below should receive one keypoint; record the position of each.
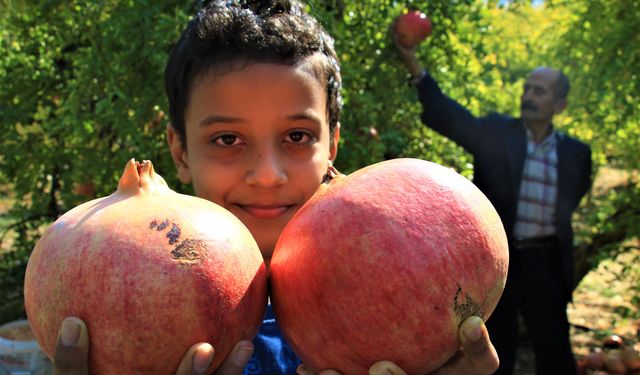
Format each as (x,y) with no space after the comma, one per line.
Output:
(384,264)
(412,28)
(151,272)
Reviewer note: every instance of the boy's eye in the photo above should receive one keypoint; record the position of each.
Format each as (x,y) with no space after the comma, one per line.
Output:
(226,140)
(298,137)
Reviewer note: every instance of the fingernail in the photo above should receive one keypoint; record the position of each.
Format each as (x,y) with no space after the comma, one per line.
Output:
(202,358)
(475,331)
(384,371)
(70,332)
(242,355)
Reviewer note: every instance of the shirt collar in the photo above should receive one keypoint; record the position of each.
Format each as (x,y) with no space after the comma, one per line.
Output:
(547,145)
(549,141)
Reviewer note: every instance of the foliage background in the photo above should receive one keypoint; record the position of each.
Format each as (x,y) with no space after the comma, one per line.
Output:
(81,92)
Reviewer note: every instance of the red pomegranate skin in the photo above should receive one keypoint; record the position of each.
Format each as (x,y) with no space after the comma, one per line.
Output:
(151,272)
(412,28)
(384,264)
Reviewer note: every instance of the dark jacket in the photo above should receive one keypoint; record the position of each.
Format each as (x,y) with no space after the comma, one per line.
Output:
(498,144)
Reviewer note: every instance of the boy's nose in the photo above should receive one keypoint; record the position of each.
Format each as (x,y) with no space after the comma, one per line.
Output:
(267,171)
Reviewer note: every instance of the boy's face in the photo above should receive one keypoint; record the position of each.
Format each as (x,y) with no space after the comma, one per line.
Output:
(258,144)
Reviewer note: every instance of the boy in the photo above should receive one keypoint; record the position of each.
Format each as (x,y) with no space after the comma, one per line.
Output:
(254,100)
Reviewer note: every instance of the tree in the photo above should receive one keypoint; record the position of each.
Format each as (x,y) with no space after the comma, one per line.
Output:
(82,92)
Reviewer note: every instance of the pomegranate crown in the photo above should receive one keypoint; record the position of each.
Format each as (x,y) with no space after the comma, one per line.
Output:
(140,176)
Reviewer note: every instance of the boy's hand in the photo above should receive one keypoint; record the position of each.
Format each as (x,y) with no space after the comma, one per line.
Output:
(72,349)
(477,355)
(199,356)
(72,354)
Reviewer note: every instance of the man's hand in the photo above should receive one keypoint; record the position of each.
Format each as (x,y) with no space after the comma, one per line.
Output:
(477,355)
(72,354)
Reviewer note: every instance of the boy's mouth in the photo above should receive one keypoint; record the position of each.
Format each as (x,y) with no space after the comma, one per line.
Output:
(264,211)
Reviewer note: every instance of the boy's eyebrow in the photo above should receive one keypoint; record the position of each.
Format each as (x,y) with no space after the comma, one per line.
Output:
(212,119)
(309,116)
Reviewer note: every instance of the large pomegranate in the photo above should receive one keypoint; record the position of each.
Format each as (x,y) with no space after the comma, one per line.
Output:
(384,264)
(151,272)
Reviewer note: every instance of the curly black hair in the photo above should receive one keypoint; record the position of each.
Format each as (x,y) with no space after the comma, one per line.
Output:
(227,32)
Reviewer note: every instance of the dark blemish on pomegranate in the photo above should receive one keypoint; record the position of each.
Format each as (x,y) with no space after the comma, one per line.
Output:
(173,234)
(163,225)
(465,309)
(153,224)
(189,250)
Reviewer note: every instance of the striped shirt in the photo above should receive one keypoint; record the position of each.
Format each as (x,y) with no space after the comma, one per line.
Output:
(538,189)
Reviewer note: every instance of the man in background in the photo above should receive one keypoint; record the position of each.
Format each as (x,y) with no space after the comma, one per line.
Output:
(535,176)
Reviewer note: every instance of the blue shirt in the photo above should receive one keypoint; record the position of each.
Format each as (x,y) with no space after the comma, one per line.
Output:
(272,355)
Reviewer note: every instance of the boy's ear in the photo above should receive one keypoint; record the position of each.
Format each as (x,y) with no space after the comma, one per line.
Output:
(179,154)
(333,146)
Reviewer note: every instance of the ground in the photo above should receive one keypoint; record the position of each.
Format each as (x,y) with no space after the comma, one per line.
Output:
(602,306)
